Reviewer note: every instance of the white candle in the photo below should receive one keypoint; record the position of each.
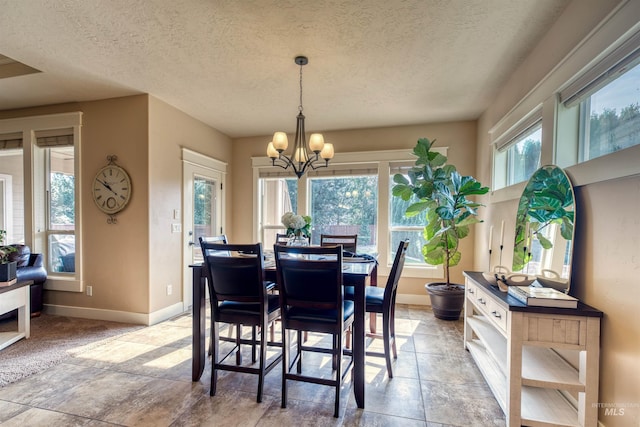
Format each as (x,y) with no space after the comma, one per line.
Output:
(490,236)
(526,235)
(502,234)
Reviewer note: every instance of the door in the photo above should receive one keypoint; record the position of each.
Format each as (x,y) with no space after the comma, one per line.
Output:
(203,207)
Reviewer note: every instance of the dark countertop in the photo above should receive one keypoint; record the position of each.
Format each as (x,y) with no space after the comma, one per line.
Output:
(512,304)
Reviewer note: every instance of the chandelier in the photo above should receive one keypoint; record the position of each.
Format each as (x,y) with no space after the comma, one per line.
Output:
(300,158)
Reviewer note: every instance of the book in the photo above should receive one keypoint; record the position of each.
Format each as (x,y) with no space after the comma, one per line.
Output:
(8,283)
(542,297)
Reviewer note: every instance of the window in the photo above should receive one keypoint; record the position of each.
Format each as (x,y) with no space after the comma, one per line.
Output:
(517,151)
(523,156)
(610,117)
(61,210)
(277,196)
(402,228)
(352,196)
(599,111)
(43,151)
(345,205)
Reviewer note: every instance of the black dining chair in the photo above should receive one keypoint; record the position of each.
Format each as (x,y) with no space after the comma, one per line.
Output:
(282,239)
(312,299)
(349,242)
(239,296)
(383,301)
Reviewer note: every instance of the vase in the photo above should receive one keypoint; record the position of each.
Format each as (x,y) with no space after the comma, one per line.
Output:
(298,241)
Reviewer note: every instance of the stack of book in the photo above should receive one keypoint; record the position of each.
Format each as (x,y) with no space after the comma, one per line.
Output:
(542,297)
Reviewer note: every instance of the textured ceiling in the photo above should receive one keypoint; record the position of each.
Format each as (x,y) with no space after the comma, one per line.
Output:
(230,63)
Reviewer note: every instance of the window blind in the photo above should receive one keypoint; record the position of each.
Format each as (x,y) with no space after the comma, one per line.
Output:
(54,138)
(45,138)
(11,141)
(621,59)
(524,126)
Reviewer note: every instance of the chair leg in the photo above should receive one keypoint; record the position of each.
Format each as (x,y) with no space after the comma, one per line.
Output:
(338,355)
(392,328)
(372,322)
(386,336)
(254,356)
(263,358)
(299,343)
(285,365)
(348,338)
(215,340)
(238,352)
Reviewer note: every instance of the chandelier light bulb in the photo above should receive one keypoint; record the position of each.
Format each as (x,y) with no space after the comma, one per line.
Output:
(327,151)
(271,151)
(280,141)
(316,142)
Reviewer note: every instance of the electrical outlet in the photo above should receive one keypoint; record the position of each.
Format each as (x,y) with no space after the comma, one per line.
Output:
(89,291)
(169,289)
(176,228)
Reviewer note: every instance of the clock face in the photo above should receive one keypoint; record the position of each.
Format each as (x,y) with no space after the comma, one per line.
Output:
(111,189)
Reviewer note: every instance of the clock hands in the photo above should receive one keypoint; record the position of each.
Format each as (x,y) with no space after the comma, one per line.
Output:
(107,186)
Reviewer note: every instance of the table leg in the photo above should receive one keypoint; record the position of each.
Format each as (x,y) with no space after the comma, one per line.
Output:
(358,342)
(199,319)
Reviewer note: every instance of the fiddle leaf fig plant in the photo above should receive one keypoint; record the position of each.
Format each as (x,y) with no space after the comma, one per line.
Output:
(442,195)
(5,250)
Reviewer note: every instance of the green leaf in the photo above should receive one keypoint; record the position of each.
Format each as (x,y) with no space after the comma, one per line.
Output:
(400,179)
(544,242)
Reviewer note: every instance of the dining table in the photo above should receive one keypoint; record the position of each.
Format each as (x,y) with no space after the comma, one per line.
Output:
(358,273)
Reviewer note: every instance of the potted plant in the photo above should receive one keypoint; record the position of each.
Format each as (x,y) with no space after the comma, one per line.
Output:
(441,194)
(7,267)
(298,228)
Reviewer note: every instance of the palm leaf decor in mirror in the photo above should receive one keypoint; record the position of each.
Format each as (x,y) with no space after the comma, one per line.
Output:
(545,228)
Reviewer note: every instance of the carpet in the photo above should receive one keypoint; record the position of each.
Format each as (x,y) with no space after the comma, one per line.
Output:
(53,339)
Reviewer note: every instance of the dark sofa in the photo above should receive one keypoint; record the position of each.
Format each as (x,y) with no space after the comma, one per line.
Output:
(30,267)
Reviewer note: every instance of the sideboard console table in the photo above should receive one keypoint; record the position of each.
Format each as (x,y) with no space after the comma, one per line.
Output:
(541,363)
(14,297)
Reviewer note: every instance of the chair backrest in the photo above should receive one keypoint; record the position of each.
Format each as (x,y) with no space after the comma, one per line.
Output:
(349,242)
(221,239)
(396,270)
(234,272)
(281,238)
(309,277)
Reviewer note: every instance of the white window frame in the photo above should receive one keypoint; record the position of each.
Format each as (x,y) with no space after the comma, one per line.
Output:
(35,235)
(383,159)
(504,136)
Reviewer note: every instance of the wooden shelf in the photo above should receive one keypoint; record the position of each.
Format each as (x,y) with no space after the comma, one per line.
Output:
(543,367)
(495,377)
(493,342)
(546,407)
(8,338)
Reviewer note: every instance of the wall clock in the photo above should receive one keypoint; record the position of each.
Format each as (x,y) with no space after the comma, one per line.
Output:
(111,189)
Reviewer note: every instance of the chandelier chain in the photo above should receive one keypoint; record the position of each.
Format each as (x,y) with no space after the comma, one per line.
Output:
(300,106)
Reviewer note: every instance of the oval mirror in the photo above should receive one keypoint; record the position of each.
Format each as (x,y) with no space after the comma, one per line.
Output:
(544,228)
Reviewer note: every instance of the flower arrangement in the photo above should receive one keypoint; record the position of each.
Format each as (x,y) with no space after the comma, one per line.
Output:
(5,250)
(297,225)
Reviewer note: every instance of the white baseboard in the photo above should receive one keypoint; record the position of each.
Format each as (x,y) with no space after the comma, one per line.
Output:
(413,299)
(115,315)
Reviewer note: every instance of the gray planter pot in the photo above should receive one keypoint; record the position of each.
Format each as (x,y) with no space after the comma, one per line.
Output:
(8,271)
(446,301)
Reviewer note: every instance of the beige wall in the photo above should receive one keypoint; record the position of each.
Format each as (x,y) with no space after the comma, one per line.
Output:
(605,261)
(169,131)
(459,137)
(129,264)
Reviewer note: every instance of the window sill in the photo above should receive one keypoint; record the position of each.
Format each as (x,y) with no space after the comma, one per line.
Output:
(59,283)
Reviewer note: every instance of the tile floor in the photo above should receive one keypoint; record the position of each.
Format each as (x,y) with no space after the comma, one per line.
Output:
(144,379)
